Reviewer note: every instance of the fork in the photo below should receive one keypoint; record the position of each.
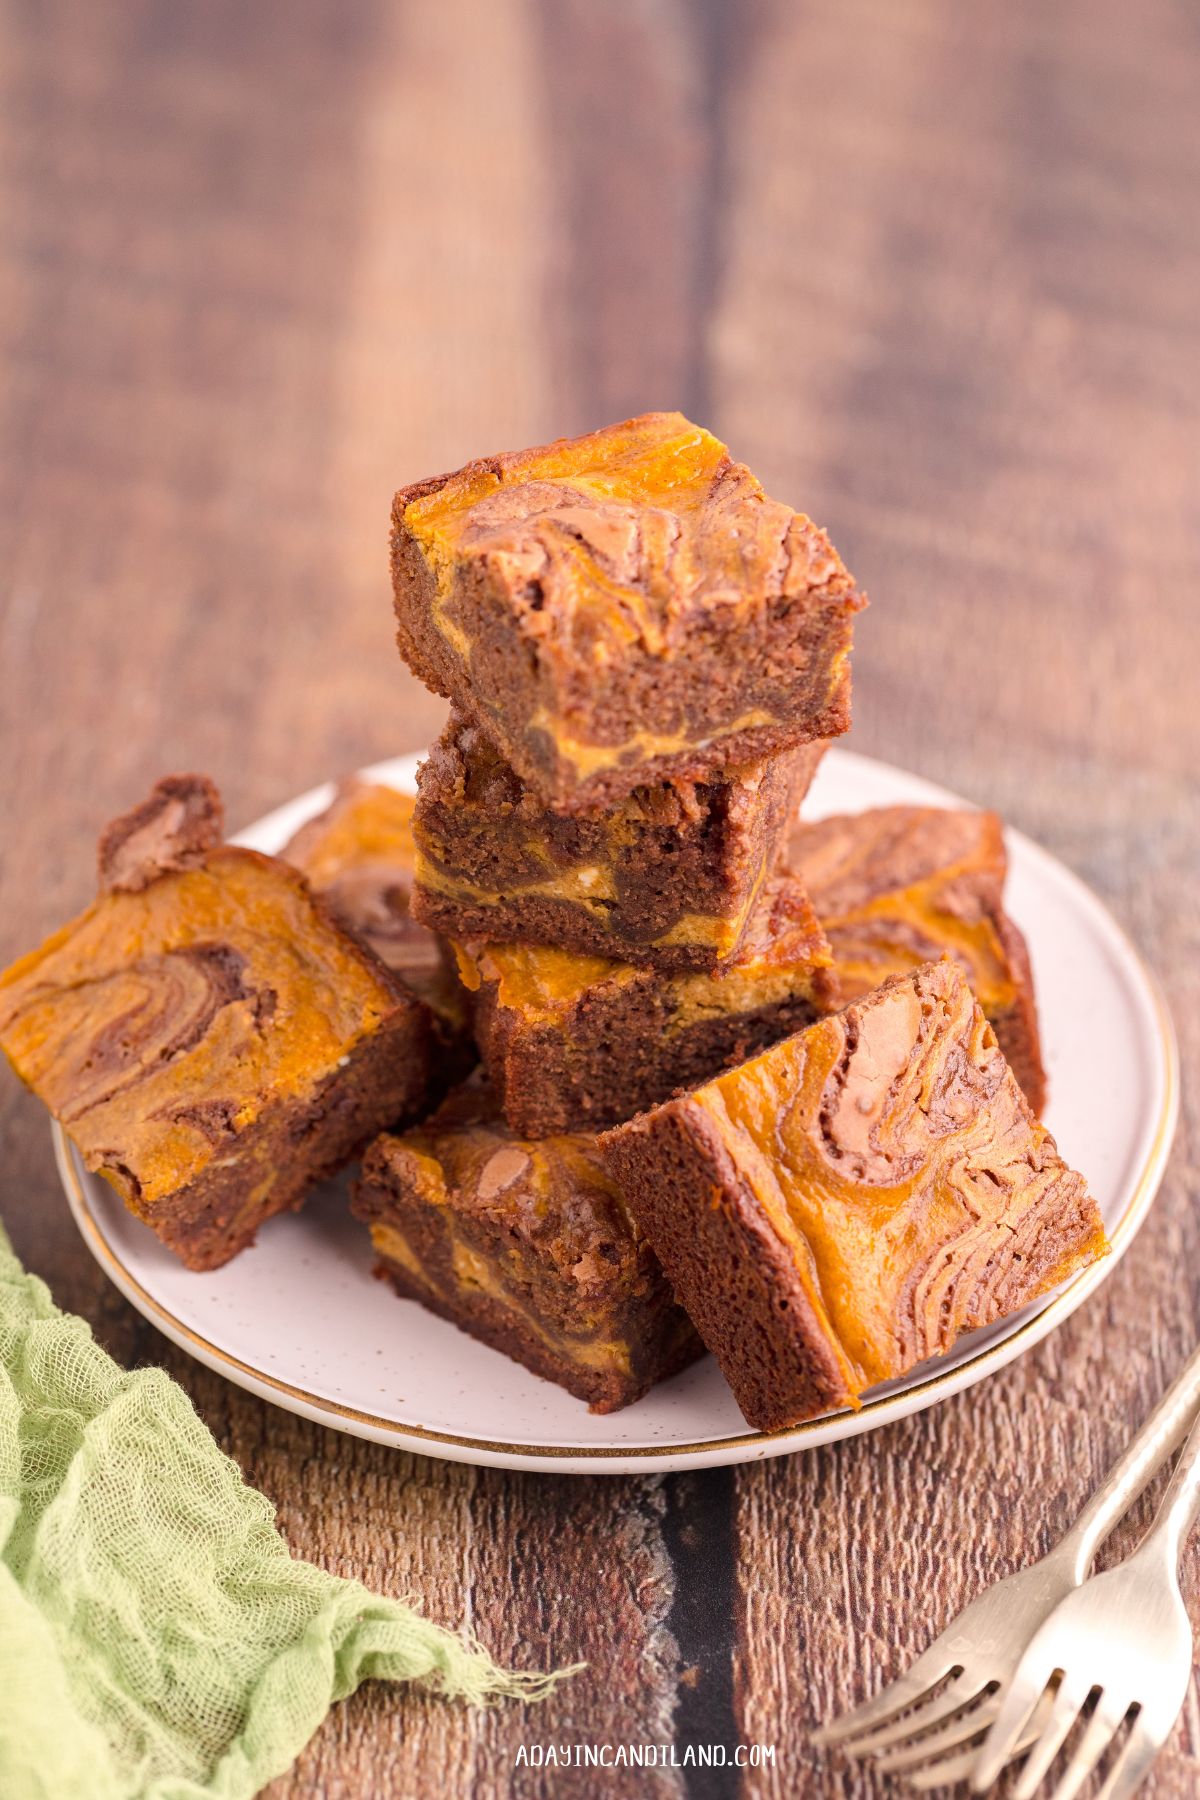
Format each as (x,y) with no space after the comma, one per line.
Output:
(927,1730)
(1125,1638)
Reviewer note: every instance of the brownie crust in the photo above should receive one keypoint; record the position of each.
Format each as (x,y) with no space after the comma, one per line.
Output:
(667,878)
(854,1199)
(565,596)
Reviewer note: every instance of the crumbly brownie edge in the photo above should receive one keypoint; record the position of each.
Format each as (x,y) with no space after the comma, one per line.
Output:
(654,892)
(560,924)
(537,757)
(391,1078)
(1057,1239)
(563,926)
(548,1084)
(491,1323)
(659,1337)
(728,1269)
(499,681)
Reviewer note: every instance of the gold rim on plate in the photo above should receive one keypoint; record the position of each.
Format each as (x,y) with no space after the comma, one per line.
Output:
(1043,1321)
(747,1445)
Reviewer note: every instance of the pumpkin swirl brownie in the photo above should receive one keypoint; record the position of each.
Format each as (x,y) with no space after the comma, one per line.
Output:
(622,609)
(527,1246)
(902,885)
(573,1042)
(360,857)
(854,1199)
(669,876)
(207,1034)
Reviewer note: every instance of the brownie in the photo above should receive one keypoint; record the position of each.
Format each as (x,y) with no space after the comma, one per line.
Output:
(851,1201)
(902,885)
(207,1034)
(668,877)
(622,609)
(573,1042)
(359,855)
(528,1246)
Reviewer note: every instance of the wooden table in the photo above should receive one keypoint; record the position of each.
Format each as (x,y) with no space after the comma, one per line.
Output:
(934,270)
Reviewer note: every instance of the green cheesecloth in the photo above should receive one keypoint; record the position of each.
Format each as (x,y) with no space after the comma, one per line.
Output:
(157,1640)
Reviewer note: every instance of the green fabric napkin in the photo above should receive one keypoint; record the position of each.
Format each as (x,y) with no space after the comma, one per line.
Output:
(157,1641)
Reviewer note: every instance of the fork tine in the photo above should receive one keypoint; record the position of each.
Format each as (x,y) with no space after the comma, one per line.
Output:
(960,1730)
(953,1769)
(943,1706)
(1016,1709)
(1101,1729)
(896,1697)
(1066,1708)
(1132,1765)
(947,1773)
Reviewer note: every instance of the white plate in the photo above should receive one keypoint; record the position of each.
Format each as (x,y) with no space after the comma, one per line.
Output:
(299,1319)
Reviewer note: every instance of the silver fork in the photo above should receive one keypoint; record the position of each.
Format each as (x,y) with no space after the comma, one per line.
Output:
(928,1730)
(1123,1638)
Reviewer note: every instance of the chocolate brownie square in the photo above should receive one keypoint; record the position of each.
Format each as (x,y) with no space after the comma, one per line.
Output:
(667,877)
(902,885)
(527,1246)
(207,1034)
(853,1200)
(573,1042)
(623,609)
(360,857)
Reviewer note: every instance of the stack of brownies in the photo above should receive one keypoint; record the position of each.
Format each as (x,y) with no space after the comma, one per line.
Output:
(748,1083)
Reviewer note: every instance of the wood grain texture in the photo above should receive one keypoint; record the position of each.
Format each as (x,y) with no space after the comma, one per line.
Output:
(934,272)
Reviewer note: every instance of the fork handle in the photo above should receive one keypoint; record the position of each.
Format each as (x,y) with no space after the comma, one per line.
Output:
(1180,1503)
(1158,1439)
